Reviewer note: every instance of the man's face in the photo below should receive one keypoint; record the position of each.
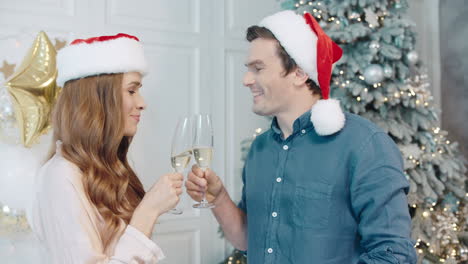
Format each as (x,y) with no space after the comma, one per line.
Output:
(272,92)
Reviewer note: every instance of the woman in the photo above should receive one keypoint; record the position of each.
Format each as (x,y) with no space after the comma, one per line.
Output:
(90,206)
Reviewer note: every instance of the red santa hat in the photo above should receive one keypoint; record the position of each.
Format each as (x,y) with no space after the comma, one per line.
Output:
(313,51)
(100,55)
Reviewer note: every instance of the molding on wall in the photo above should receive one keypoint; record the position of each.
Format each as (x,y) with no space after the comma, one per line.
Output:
(425,13)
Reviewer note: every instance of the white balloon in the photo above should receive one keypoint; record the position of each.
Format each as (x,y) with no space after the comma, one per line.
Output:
(18,168)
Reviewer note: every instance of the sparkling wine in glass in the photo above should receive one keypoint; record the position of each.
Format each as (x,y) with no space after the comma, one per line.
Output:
(181,151)
(203,148)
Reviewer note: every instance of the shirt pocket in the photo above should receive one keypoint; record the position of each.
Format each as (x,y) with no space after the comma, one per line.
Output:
(312,205)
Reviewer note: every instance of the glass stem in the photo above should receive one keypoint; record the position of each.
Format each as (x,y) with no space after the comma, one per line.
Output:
(204,201)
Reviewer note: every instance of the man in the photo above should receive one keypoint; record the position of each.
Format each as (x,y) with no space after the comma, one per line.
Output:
(320,186)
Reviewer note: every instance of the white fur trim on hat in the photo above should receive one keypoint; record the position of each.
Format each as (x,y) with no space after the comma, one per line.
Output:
(327,117)
(111,56)
(295,35)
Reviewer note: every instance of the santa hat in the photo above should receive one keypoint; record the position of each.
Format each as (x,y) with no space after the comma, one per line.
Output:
(100,55)
(314,52)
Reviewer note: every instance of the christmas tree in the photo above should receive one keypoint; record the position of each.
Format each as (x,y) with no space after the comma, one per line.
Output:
(381,78)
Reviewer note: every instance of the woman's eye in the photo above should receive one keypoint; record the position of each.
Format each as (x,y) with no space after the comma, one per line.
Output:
(131,92)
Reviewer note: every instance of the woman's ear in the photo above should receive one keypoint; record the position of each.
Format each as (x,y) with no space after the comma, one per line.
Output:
(300,77)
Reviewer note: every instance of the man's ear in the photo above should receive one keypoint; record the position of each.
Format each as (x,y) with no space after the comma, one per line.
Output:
(300,76)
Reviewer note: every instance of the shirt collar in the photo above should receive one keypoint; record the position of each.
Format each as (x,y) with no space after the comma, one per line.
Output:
(302,122)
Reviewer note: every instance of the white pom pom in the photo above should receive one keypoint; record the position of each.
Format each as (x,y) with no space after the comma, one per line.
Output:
(327,117)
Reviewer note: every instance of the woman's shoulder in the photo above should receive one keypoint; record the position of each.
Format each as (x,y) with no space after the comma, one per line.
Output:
(58,171)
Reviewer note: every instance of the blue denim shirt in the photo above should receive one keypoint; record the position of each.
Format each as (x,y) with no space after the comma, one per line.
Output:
(326,199)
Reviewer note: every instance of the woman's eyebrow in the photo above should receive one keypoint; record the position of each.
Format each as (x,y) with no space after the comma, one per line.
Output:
(135,83)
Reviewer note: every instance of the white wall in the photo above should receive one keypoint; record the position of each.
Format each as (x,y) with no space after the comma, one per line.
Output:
(196,51)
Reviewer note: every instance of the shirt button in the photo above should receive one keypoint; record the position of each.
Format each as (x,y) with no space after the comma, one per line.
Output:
(285,147)
(274,214)
(278,179)
(303,131)
(270,250)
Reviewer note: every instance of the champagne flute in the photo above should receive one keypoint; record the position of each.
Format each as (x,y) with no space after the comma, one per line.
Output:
(203,149)
(181,151)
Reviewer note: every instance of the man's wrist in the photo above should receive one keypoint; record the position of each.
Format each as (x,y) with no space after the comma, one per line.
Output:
(222,197)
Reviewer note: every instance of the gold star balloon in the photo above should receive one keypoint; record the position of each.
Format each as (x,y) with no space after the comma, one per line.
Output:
(33,89)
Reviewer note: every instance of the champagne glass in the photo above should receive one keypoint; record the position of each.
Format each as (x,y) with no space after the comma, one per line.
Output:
(181,151)
(203,149)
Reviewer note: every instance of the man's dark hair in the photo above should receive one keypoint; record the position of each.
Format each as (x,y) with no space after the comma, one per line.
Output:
(289,64)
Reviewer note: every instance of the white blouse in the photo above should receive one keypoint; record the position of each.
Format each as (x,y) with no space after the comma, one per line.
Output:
(67,224)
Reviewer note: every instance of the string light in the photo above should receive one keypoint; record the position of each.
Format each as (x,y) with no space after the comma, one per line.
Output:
(358,98)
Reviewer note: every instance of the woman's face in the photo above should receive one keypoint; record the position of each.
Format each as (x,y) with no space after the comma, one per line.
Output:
(132,102)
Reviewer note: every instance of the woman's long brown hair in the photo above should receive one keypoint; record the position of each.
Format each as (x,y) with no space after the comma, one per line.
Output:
(88,119)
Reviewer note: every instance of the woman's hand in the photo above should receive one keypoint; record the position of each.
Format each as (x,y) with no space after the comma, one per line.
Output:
(164,194)
(162,197)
